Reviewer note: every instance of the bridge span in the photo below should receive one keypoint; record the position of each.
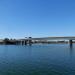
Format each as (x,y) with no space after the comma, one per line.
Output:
(48,38)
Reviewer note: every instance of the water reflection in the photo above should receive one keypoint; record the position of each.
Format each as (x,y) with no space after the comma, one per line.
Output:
(71,50)
(5,53)
(30,53)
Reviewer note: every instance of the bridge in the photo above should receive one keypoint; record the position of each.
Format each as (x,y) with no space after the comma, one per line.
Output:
(47,38)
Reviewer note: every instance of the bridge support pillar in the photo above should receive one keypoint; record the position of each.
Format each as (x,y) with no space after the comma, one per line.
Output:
(22,42)
(30,42)
(25,42)
(71,43)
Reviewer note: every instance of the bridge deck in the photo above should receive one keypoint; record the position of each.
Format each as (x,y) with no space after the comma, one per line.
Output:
(50,38)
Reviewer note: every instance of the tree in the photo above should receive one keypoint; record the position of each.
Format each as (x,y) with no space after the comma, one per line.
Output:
(6,40)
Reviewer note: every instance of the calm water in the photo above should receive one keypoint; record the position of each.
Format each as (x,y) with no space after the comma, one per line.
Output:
(53,59)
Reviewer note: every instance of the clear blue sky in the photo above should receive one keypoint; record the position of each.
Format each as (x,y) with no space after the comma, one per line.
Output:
(37,18)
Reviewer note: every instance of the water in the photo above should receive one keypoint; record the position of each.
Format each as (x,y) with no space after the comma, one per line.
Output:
(53,59)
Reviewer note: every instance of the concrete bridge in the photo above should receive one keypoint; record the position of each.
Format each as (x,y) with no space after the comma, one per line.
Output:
(24,41)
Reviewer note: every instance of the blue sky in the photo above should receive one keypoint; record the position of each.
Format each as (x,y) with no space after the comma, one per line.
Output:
(37,18)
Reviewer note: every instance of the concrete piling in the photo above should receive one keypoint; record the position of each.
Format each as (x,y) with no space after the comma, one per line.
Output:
(71,43)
